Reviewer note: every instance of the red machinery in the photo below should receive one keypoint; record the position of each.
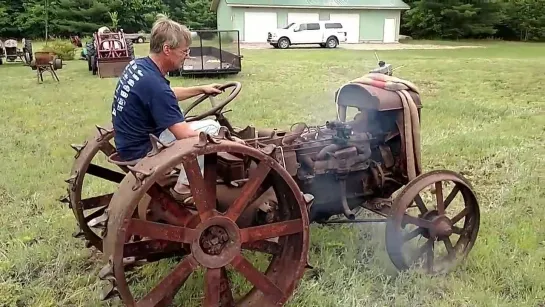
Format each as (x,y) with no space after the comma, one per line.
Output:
(109,53)
(253,204)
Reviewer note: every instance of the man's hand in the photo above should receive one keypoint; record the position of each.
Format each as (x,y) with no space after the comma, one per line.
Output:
(211,89)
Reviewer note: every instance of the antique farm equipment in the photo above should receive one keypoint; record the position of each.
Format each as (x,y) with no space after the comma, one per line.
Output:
(217,53)
(10,51)
(46,61)
(108,53)
(261,197)
(75,40)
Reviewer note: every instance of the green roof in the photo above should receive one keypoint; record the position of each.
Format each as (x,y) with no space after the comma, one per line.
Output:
(332,4)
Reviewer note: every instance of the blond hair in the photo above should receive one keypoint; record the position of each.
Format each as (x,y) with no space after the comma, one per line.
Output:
(167,31)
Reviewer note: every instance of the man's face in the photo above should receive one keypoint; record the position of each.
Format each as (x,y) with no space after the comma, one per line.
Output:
(176,56)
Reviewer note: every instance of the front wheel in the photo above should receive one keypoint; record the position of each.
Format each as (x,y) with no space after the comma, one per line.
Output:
(283,43)
(423,228)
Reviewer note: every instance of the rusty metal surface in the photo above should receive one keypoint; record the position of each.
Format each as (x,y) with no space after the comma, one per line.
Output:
(261,197)
(83,166)
(434,224)
(215,239)
(112,67)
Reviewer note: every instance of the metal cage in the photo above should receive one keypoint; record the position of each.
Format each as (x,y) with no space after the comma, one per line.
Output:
(216,52)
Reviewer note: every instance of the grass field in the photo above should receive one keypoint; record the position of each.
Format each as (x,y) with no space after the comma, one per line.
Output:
(483,116)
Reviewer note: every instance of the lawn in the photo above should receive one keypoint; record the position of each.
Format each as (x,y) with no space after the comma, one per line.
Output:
(483,116)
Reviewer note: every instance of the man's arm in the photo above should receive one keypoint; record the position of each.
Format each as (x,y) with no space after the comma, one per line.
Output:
(183,93)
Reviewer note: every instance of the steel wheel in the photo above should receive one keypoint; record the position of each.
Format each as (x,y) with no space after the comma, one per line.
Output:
(447,239)
(218,236)
(90,212)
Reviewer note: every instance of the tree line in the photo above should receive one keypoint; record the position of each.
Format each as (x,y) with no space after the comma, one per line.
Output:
(63,18)
(460,19)
(426,19)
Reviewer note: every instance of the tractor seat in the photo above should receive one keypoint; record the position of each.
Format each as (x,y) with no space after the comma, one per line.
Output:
(107,45)
(115,159)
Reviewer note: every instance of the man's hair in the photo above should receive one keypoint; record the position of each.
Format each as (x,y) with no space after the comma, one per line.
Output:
(168,31)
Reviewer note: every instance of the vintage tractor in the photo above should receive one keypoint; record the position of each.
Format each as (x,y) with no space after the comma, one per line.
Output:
(10,51)
(108,53)
(252,204)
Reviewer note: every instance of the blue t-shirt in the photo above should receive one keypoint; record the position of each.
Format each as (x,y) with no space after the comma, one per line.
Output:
(143,104)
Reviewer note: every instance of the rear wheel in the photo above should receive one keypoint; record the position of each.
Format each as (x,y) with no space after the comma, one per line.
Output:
(331,42)
(267,215)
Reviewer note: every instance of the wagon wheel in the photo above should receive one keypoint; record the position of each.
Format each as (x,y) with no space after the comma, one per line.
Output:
(90,212)
(218,244)
(444,240)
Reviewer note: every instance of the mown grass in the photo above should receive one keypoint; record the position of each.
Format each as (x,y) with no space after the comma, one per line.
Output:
(483,116)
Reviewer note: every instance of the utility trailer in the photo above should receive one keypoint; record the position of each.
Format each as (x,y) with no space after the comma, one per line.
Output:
(216,52)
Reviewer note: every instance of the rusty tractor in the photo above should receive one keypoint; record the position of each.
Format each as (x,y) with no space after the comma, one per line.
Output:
(108,53)
(10,51)
(252,204)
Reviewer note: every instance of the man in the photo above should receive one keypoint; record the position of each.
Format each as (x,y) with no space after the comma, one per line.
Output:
(145,103)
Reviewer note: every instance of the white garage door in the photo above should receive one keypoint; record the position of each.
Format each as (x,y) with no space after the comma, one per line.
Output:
(351,24)
(257,24)
(389,30)
(303,17)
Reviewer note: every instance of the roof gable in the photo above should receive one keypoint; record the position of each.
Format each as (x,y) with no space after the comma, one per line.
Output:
(332,4)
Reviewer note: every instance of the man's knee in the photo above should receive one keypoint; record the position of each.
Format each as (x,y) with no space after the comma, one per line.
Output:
(209,126)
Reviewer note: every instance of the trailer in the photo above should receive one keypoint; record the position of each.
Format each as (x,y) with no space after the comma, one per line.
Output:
(216,52)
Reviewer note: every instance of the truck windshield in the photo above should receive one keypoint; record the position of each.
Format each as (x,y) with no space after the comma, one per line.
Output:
(288,26)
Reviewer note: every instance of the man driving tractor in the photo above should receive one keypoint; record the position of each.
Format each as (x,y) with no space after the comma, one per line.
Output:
(145,103)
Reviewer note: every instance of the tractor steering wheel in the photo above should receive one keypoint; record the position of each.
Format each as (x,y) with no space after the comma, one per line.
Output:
(216,107)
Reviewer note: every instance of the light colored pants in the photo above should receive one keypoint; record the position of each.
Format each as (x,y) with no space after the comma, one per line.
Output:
(209,126)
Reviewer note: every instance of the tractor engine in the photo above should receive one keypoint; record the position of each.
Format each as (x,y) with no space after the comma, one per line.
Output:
(344,164)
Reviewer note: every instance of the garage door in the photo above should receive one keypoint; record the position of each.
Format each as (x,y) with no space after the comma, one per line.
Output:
(303,17)
(257,24)
(389,30)
(351,24)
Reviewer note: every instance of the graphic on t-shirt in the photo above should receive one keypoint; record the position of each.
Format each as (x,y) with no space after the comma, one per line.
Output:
(130,75)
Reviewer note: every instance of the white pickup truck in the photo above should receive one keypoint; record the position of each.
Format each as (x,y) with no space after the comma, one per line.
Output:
(325,33)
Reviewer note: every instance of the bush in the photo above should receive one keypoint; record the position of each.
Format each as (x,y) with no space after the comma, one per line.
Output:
(63,49)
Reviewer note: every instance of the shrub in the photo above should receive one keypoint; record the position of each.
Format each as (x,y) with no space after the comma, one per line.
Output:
(63,49)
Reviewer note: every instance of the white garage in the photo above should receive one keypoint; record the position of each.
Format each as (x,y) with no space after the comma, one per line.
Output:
(303,17)
(351,24)
(257,25)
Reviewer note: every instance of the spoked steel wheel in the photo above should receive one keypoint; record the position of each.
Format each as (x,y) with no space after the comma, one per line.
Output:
(226,229)
(436,219)
(91,159)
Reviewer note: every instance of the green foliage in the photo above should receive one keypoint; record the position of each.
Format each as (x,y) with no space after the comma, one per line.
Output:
(27,18)
(456,19)
(64,49)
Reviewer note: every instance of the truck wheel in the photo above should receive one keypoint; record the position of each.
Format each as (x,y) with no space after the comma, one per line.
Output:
(331,42)
(141,40)
(283,43)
